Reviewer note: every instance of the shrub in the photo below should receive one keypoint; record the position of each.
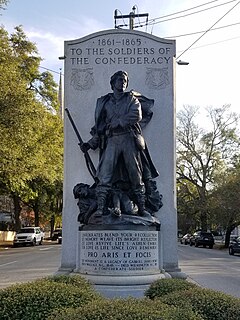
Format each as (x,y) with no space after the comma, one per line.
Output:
(210,304)
(74,280)
(36,300)
(162,287)
(125,309)
(72,297)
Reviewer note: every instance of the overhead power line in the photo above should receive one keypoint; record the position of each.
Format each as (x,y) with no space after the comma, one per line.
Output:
(193,33)
(153,21)
(50,70)
(172,14)
(208,30)
(213,43)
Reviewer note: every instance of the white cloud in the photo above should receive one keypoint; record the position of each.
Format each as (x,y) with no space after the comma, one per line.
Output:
(49,46)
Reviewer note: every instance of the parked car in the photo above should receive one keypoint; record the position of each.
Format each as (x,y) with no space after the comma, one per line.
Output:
(234,246)
(59,239)
(28,235)
(202,238)
(56,234)
(233,237)
(185,239)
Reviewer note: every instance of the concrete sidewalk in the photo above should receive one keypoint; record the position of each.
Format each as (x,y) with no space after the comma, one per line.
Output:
(5,245)
(9,244)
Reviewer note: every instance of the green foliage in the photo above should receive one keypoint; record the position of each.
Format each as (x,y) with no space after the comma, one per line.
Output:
(65,297)
(162,287)
(31,132)
(188,207)
(74,280)
(36,300)
(44,198)
(31,136)
(211,305)
(225,202)
(125,309)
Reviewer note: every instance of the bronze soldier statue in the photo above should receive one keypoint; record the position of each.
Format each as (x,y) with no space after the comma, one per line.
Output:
(124,158)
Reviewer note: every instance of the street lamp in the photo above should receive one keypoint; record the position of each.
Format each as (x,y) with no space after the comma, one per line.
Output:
(182,63)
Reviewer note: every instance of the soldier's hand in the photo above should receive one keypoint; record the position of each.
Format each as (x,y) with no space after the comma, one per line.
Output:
(84,147)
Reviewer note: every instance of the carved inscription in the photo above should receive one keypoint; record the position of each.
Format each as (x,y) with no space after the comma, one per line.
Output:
(119,251)
(127,51)
(120,50)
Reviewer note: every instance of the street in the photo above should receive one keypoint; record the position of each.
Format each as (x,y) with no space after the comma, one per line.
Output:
(210,268)
(28,263)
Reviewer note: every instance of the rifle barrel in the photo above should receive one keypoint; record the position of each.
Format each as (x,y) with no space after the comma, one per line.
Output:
(74,126)
(89,163)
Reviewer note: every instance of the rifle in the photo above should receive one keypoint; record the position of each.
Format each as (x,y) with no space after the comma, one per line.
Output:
(89,163)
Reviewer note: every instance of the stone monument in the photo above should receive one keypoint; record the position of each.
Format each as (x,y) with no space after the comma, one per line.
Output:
(119,216)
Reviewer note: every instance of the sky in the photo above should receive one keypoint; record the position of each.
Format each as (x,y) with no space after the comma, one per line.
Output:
(212,77)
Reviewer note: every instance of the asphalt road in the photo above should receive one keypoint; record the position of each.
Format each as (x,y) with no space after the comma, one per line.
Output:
(25,264)
(211,268)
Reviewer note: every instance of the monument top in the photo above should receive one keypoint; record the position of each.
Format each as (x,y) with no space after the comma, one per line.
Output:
(120,32)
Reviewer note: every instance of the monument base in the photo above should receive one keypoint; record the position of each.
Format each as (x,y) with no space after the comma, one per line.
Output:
(120,262)
(123,286)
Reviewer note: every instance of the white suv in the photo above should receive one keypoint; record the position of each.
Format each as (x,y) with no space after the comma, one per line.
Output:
(28,235)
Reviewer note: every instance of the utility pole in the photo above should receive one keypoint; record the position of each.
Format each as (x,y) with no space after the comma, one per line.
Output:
(131,16)
(60,95)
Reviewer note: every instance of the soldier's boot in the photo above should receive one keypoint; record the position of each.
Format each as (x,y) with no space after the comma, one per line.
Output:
(140,202)
(101,201)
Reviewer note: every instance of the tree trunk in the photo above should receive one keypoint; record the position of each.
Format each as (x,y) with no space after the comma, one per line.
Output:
(17,210)
(203,207)
(36,215)
(204,222)
(52,224)
(227,237)
(229,230)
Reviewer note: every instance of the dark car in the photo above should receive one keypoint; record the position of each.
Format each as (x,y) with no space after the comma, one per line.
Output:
(234,246)
(185,239)
(59,239)
(56,234)
(202,238)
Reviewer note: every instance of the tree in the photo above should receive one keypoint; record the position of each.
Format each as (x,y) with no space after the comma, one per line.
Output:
(225,202)
(188,207)
(45,200)
(30,131)
(3,3)
(46,187)
(203,155)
